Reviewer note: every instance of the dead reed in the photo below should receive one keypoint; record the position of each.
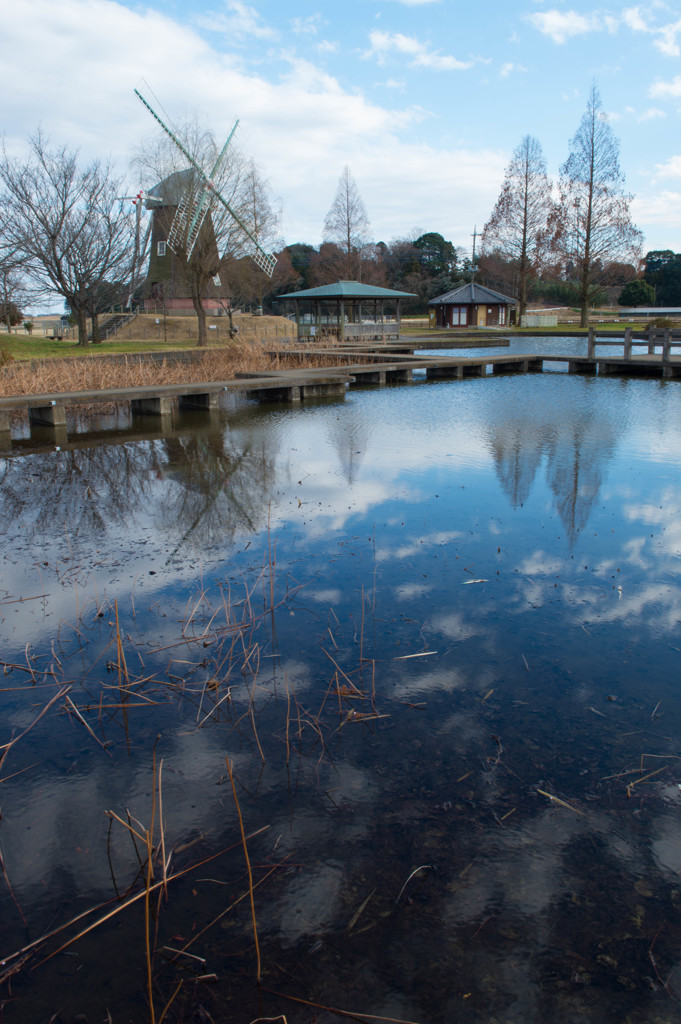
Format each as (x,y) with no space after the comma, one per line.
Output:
(104,372)
(213,661)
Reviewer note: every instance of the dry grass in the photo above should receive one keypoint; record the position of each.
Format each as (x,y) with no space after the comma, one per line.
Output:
(60,375)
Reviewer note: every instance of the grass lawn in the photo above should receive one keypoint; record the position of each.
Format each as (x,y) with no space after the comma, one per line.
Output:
(24,346)
(146,334)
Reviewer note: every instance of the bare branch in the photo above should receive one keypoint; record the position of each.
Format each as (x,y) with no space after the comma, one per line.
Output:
(65,223)
(347,225)
(517,228)
(592,224)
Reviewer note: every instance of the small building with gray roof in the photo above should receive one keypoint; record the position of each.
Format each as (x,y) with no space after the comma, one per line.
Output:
(472,305)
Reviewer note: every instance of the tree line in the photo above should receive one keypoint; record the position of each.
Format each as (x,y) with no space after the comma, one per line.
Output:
(566,242)
(65,228)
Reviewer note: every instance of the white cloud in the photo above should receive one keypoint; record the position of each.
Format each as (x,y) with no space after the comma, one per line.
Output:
(302,102)
(666,90)
(670,169)
(661,207)
(666,35)
(307,26)
(563,25)
(667,43)
(239,23)
(387,44)
(633,19)
(509,67)
(651,114)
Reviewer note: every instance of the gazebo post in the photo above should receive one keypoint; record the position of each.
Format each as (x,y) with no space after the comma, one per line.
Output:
(297,302)
(341,319)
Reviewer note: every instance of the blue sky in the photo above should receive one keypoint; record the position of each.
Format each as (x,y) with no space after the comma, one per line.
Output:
(425,100)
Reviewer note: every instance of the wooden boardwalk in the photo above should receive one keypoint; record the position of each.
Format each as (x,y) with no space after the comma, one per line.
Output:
(356,366)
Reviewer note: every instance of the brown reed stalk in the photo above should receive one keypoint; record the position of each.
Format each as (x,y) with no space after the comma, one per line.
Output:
(346,677)
(148,883)
(10,889)
(354,1015)
(87,373)
(361,634)
(288,715)
(248,868)
(121,662)
(6,747)
(22,953)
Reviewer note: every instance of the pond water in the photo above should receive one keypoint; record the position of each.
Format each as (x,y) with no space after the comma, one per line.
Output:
(430,631)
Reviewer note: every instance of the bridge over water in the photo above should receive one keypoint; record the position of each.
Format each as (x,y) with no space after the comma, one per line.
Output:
(354,366)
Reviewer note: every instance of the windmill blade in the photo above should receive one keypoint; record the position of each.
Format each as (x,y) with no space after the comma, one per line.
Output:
(260,257)
(193,210)
(188,220)
(265,260)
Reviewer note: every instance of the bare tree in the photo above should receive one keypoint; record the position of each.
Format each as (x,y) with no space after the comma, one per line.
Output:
(247,282)
(347,226)
(592,224)
(517,228)
(199,269)
(249,286)
(15,293)
(65,223)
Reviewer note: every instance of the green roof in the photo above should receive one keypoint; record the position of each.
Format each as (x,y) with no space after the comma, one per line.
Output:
(348,290)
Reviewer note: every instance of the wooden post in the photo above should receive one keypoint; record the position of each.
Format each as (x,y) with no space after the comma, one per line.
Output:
(651,341)
(591,350)
(666,345)
(627,342)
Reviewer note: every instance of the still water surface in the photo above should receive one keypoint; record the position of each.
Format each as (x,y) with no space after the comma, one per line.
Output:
(434,631)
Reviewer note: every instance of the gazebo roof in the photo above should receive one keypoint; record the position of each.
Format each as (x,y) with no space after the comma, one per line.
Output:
(468,294)
(348,290)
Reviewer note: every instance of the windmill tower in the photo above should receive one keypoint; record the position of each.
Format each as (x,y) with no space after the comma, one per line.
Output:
(186,203)
(141,200)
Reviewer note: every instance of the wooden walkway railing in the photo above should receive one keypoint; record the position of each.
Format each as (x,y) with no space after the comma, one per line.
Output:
(665,339)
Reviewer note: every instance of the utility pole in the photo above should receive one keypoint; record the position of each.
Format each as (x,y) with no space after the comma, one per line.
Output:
(474,236)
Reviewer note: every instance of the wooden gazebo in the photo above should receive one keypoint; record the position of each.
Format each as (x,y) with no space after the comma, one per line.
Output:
(348,310)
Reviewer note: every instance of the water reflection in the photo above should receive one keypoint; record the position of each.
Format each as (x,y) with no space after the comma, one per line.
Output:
(444,678)
(578,441)
(213,487)
(220,488)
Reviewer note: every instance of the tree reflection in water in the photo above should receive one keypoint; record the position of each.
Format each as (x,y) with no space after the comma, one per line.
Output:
(577,444)
(213,487)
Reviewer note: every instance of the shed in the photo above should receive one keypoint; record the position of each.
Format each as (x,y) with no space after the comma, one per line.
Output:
(349,310)
(472,305)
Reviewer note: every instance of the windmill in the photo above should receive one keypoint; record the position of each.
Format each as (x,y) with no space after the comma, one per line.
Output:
(195,205)
(140,247)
